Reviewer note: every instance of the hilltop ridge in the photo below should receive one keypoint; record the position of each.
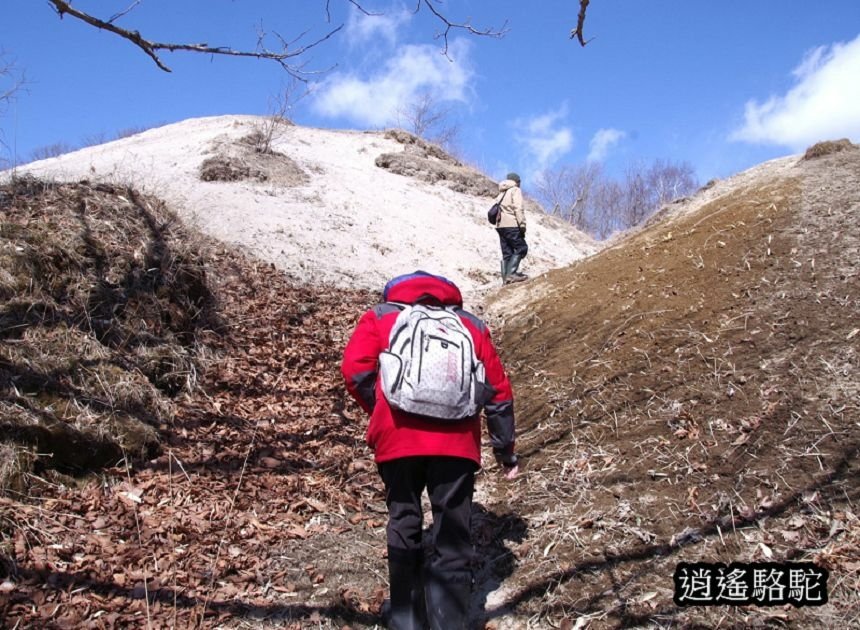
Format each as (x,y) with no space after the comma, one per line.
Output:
(324,206)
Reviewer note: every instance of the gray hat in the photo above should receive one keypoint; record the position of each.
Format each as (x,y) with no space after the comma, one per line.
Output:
(514,177)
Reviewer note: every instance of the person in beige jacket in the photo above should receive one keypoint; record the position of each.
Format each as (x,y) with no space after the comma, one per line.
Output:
(511,227)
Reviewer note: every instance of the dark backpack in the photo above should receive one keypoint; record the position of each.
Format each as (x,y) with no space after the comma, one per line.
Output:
(495,210)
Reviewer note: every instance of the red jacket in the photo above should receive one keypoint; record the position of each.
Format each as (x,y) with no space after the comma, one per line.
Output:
(393,434)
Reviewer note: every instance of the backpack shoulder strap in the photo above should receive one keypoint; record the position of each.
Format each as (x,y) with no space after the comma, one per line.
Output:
(388,307)
(476,321)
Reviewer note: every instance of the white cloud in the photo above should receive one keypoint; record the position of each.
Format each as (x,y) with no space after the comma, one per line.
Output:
(545,138)
(382,28)
(602,142)
(411,70)
(823,105)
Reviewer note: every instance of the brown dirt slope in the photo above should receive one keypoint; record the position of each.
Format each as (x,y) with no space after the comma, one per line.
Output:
(692,394)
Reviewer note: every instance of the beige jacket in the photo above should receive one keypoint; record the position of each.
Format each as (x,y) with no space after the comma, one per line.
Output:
(511,197)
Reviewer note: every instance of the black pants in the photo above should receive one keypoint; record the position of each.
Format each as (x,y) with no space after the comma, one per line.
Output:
(446,578)
(513,243)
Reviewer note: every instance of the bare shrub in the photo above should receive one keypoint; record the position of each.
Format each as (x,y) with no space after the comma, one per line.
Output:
(95,139)
(427,118)
(11,82)
(269,128)
(459,178)
(222,168)
(240,162)
(430,163)
(15,462)
(419,146)
(51,151)
(260,140)
(828,147)
(127,132)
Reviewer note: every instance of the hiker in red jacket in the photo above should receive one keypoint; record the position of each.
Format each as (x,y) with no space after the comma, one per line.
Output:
(438,451)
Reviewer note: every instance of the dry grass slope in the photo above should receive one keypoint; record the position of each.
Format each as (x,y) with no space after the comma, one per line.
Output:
(691,394)
(103,295)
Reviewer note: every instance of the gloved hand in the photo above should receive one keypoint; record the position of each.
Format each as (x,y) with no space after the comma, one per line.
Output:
(509,464)
(522,230)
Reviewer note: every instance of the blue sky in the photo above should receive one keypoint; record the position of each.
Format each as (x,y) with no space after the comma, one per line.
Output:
(720,85)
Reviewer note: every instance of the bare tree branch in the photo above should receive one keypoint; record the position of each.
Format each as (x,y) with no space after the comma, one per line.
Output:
(284,56)
(354,3)
(151,48)
(426,117)
(117,16)
(580,24)
(466,26)
(11,81)
(8,72)
(358,6)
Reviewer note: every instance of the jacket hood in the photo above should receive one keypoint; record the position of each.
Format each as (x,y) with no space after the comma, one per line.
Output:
(420,286)
(506,184)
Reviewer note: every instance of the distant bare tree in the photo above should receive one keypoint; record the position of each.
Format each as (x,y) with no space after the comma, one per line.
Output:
(280,109)
(649,188)
(567,192)
(426,117)
(670,181)
(600,206)
(607,209)
(50,150)
(11,81)
(638,200)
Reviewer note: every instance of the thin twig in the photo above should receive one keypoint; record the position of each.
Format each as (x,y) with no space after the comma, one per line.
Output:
(139,540)
(227,519)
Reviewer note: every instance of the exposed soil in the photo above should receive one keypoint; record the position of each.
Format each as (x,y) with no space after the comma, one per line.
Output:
(252,158)
(691,394)
(427,162)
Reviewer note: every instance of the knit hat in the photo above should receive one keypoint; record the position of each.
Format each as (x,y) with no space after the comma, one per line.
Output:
(514,177)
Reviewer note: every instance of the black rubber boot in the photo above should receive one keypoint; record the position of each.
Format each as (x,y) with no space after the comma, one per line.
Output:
(406,606)
(514,275)
(448,602)
(505,271)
